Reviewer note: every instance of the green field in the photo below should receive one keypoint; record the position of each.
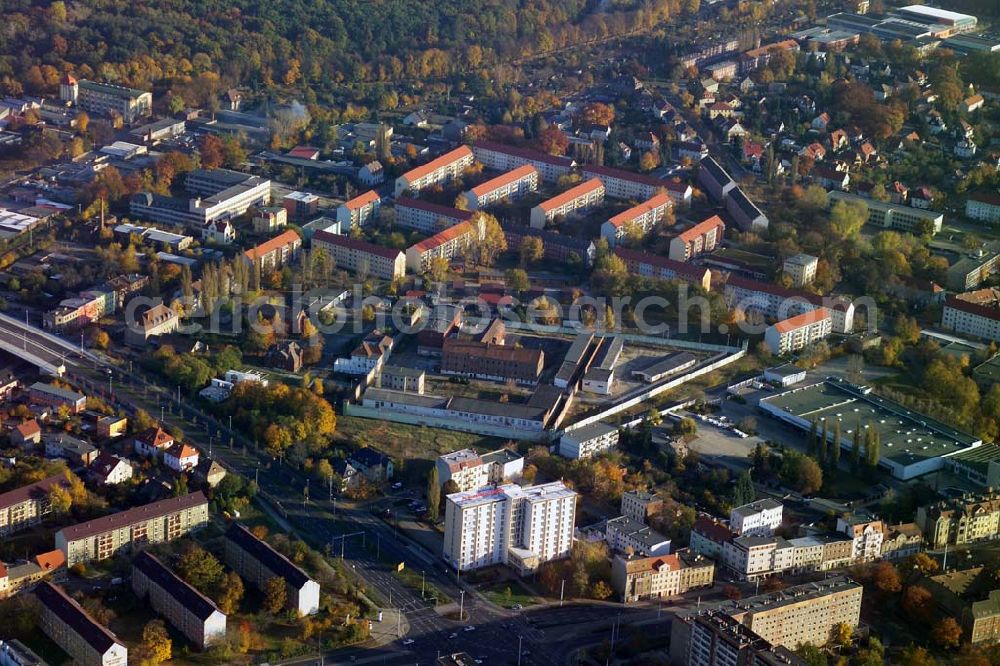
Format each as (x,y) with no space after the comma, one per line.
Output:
(519,594)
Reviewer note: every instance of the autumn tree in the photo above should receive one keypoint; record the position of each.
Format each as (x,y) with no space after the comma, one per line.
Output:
(531,250)
(433,494)
(947,633)
(494,241)
(847,218)
(156,647)
(200,568)
(518,280)
(275,595)
(211,151)
(552,141)
(843,632)
(918,603)
(596,113)
(886,578)
(230,593)
(60,500)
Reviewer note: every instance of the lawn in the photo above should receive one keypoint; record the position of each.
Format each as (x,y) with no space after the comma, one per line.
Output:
(519,594)
(413,580)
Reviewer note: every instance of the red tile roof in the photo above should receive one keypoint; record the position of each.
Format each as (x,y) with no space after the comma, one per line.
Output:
(580,190)
(525,153)
(125,518)
(437,163)
(51,560)
(267,247)
(971,308)
(802,320)
(442,237)
(608,172)
(29,428)
(504,179)
(627,216)
(371,196)
(702,228)
(358,245)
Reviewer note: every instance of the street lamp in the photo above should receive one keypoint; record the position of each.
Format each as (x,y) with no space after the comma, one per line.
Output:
(461,606)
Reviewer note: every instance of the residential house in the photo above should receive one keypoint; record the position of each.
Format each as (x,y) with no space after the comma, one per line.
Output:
(109,469)
(185,608)
(257,563)
(181,457)
(79,635)
(374,464)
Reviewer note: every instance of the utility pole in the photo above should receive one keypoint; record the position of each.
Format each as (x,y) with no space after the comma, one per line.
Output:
(399,622)
(421,583)
(461,606)
(519,650)
(562,589)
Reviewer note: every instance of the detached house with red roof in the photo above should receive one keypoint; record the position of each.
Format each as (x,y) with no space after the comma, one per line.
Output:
(28,432)
(152,442)
(181,457)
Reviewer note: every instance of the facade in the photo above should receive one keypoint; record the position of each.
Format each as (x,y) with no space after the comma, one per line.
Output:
(625,534)
(268,219)
(360,211)
(110,470)
(459,413)
(746,213)
(256,562)
(643,217)
(401,378)
(274,253)
(708,537)
(640,578)
(640,504)
(801,269)
(760,518)
(439,171)
(151,323)
(181,457)
(588,441)
(152,442)
(969,596)
(973,319)
(866,534)
(771,300)
(578,199)
(26,434)
(360,257)
(105,99)
(702,237)
(79,635)
(716,181)
(445,244)
(27,505)
(799,332)
(158,522)
(965,520)
(524,527)
(893,216)
(427,217)
(215,199)
(631,186)
(72,449)
(901,541)
(511,186)
(80,311)
(471,471)
(483,360)
(300,205)
(983,206)
(500,157)
(53,396)
(662,268)
(714,638)
(187,609)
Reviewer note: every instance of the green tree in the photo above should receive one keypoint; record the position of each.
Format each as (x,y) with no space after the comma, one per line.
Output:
(835,444)
(531,250)
(200,568)
(744,492)
(811,655)
(275,595)
(847,218)
(517,279)
(230,593)
(433,493)
(856,448)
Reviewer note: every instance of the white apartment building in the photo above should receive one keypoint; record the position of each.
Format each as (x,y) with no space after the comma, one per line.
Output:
(359,211)
(972,319)
(631,186)
(427,217)
(749,557)
(702,237)
(446,244)
(360,257)
(580,198)
(867,534)
(625,534)
(760,518)
(105,99)
(523,527)
(801,268)
(644,217)
(890,215)
(79,635)
(511,186)
(441,170)
(653,265)
(640,504)
(588,441)
(471,471)
(500,157)
(983,206)
(799,332)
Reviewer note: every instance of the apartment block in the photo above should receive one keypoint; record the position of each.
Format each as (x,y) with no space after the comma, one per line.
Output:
(500,157)
(110,535)
(523,527)
(866,534)
(79,635)
(801,269)
(510,186)
(969,519)
(401,378)
(105,99)
(702,237)
(438,171)
(760,518)
(748,216)
(970,318)
(27,505)
(713,638)
(483,360)
(640,504)
(714,179)
(892,216)
(662,268)
(361,257)
(240,194)
(427,217)
(257,562)
(576,200)
(268,219)
(274,253)
(445,244)
(641,578)
(642,218)
(799,332)
(588,441)
(556,247)
(631,186)
(983,206)
(184,607)
(360,211)
(776,302)
(625,534)
(471,471)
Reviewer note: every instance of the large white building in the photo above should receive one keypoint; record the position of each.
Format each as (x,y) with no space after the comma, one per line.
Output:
(801,269)
(798,332)
(625,534)
(643,217)
(702,237)
(471,471)
(427,217)
(359,211)
(636,186)
(438,171)
(588,441)
(580,198)
(359,256)
(890,215)
(219,194)
(760,518)
(510,186)
(523,527)
(500,157)
(776,302)
(974,319)
(105,99)
(445,244)
(983,206)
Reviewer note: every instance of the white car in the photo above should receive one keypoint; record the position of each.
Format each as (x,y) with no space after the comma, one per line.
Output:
(453,636)
(469,628)
(397,485)
(408,641)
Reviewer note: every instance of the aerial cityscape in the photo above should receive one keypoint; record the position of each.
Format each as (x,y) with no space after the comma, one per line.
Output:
(554,333)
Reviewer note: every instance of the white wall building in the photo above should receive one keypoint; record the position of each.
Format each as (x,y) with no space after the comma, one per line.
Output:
(471,471)
(577,199)
(642,218)
(441,170)
(359,211)
(799,332)
(500,157)
(760,518)
(588,441)
(801,268)
(511,186)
